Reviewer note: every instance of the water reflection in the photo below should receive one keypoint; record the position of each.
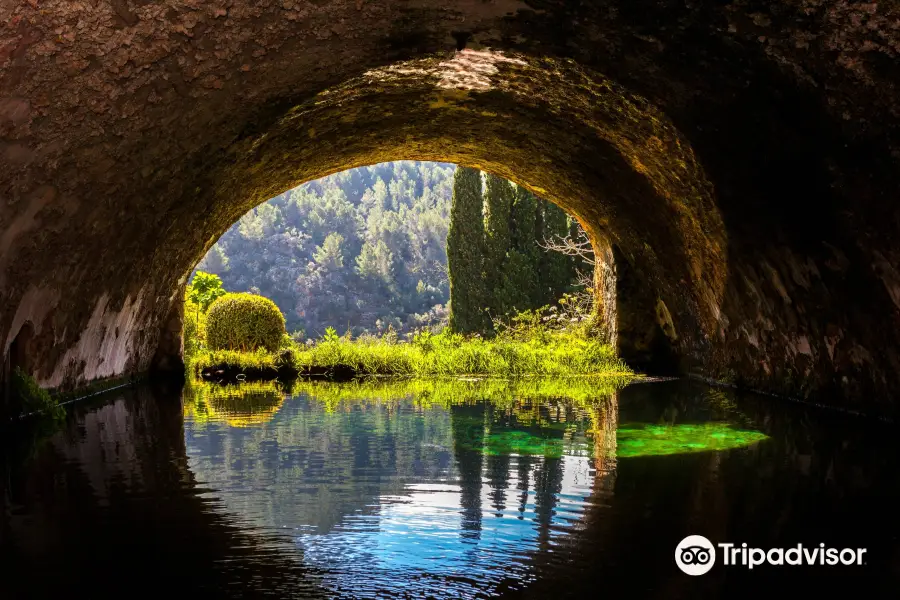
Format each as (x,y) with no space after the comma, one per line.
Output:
(395,484)
(440,489)
(383,482)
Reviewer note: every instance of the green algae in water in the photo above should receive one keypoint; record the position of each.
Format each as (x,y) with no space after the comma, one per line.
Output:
(632,439)
(521,443)
(640,439)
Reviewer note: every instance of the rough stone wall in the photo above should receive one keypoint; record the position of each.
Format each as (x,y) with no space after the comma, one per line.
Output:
(741,158)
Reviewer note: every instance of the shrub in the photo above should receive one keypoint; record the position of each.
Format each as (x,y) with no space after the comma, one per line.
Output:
(244,322)
(194,330)
(29,397)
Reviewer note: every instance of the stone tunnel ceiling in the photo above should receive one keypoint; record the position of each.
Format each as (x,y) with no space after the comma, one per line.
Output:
(739,160)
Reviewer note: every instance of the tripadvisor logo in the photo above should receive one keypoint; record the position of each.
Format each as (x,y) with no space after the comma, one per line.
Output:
(696,555)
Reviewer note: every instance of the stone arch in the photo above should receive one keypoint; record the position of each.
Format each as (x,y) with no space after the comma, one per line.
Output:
(738,171)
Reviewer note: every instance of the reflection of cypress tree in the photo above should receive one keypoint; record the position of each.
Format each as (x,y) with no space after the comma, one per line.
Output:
(547,486)
(498,477)
(465,253)
(498,480)
(524,476)
(467,425)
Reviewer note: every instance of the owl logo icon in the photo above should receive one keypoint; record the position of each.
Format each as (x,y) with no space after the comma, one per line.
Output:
(695,555)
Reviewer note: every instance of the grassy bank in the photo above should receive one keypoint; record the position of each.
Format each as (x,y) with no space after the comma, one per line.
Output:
(540,353)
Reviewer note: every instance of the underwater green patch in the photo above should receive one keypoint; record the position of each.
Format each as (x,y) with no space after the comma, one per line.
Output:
(640,439)
(633,439)
(521,443)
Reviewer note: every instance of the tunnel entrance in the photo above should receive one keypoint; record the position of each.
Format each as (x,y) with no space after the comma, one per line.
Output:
(378,247)
(401,250)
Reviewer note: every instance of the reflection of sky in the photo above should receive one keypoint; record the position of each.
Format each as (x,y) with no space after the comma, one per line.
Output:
(378,498)
(421,533)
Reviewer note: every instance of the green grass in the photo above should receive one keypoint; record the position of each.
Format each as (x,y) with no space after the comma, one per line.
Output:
(244,361)
(544,353)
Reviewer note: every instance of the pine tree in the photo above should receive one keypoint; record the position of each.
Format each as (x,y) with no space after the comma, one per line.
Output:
(465,253)
(498,202)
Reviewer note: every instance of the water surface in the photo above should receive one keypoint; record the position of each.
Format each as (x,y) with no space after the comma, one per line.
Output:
(442,489)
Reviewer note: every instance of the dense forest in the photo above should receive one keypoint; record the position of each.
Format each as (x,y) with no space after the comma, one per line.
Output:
(366,249)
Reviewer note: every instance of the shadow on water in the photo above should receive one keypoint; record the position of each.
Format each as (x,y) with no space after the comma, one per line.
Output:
(449,488)
(108,507)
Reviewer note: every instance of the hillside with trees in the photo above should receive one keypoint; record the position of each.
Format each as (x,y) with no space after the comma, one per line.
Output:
(365,250)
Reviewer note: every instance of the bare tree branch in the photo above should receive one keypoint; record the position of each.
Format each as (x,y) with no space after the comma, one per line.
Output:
(580,246)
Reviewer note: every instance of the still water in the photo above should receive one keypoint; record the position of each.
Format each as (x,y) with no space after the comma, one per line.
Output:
(451,489)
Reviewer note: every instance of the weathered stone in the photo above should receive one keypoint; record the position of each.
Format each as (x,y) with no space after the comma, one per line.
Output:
(740,159)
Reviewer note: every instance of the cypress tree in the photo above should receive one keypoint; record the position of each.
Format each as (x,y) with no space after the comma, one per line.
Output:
(498,204)
(518,282)
(465,253)
(496,264)
(521,281)
(524,233)
(557,270)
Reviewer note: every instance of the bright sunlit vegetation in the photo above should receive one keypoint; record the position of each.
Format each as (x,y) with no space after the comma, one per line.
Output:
(555,341)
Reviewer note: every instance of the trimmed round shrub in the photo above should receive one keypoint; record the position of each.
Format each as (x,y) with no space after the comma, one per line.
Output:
(244,322)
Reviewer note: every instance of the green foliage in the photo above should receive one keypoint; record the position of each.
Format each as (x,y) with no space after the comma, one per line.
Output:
(465,253)
(205,288)
(498,201)
(516,283)
(525,223)
(500,269)
(376,262)
(330,254)
(194,332)
(530,344)
(370,248)
(244,322)
(29,397)
(215,261)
